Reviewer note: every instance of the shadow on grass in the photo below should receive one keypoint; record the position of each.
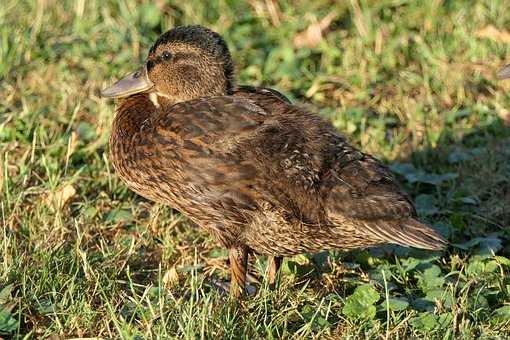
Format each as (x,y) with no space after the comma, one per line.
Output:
(463,185)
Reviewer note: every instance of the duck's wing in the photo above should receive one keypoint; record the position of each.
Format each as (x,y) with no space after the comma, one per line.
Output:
(201,140)
(235,154)
(360,188)
(323,177)
(260,93)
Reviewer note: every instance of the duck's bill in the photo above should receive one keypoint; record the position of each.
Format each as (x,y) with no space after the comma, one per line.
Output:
(504,73)
(135,82)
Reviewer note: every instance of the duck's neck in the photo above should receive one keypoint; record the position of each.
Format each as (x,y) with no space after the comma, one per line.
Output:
(160,99)
(133,113)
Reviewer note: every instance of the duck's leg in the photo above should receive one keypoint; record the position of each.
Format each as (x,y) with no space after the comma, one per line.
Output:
(273,264)
(238,264)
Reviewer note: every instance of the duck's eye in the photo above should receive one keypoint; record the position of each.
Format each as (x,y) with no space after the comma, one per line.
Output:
(166,55)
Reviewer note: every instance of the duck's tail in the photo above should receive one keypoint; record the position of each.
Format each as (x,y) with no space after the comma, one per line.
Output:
(408,233)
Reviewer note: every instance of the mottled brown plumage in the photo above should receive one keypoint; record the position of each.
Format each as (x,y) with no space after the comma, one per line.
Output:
(261,174)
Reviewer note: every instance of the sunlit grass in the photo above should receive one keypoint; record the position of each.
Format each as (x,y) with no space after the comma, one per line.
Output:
(412,82)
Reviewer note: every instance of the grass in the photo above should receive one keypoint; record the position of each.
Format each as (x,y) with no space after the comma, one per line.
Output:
(412,82)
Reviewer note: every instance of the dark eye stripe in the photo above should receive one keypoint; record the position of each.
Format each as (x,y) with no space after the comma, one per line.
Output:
(165,56)
(182,55)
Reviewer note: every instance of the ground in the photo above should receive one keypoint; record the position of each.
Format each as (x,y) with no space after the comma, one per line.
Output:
(412,82)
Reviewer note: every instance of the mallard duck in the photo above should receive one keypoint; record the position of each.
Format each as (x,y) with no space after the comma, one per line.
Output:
(504,73)
(262,175)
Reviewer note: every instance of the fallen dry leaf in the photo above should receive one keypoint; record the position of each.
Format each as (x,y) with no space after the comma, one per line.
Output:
(61,196)
(171,277)
(491,32)
(314,33)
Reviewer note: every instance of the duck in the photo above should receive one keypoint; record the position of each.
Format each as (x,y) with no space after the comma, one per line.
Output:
(264,176)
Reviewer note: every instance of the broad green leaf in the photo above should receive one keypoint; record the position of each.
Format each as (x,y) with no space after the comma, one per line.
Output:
(422,304)
(90,212)
(503,260)
(403,169)
(8,323)
(444,228)
(471,200)
(428,321)
(394,304)
(487,246)
(430,278)
(6,294)
(433,179)
(491,266)
(479,265)
(434,294)
(361,303)
(119,215)
(458,156)
(425,322)
(503,313)
(382,274)
(475,267)
(413,175)
(410,263)
(438,294)
(426,205)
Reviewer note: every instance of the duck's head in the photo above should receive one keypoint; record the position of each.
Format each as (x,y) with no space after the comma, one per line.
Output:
(504,73)
(186,62)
